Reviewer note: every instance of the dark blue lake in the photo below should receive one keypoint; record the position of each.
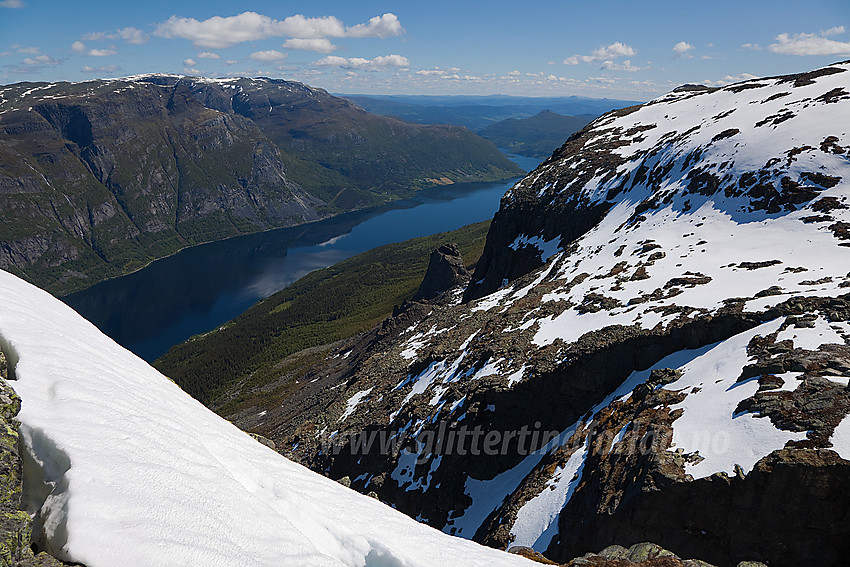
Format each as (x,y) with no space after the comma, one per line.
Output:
(202,287)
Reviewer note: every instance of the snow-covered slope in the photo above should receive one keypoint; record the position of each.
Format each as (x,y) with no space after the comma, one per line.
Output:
(126,469)
(704,236)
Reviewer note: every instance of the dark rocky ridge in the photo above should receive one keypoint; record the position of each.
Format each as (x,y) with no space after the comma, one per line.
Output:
(99,178)
(16,525)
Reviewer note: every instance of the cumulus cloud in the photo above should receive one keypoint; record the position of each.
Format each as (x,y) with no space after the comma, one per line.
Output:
(752,46)
(105,69)
(681,50)
(208,55)
(359,63)
(102,52)
(319,44)
(301,27)
(435,72)
(219,32)
(41,60)
(383,26)
(811,44)
(270,55)
(12,4)
(97,36)
(189,62)
(132,35)
(79,47)
(624,66)
(613,51)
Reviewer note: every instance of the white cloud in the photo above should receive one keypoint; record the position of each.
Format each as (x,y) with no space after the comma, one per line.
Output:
(624,66)
(79,47)
(132,35)
(220,32)
(12,4)
(189,62)
(613,51)
(302,27)
(102,52)
(435,72)
(28,50)
(681,50)
(319,44)
(359,63)
(41,60)
(97,36)
(191,71)
(514,73)
(383,26)
(208,55)
(752,46)
(104,69)
(270,55)
(810,43)
(837,30)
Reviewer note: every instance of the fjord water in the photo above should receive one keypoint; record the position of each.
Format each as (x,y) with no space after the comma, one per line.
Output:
(202,287)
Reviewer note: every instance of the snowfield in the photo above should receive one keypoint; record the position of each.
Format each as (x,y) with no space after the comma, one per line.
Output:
(124,468)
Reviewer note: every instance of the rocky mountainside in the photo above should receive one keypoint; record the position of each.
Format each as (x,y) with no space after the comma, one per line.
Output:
(98,178)
(655,346)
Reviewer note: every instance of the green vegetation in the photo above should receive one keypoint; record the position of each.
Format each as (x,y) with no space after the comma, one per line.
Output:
(323,307)
(537,136)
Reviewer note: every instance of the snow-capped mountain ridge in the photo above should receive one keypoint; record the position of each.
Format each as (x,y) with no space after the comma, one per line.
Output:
(761,146)
(704,251)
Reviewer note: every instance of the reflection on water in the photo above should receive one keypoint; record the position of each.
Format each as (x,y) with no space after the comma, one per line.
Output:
(202,287)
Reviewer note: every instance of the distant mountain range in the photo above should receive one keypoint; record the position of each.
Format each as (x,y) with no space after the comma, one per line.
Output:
(478,112)
(98,178)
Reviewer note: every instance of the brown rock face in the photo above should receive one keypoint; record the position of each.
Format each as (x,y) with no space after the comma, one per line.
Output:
(792,509)
(445,271)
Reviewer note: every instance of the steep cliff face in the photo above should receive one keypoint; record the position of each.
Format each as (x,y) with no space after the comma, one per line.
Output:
(98,178)
(662,307)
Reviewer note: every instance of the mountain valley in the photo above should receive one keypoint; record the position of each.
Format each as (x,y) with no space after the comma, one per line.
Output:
(102,177)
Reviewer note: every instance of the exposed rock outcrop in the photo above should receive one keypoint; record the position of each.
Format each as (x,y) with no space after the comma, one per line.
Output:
(15,524)
(445,271)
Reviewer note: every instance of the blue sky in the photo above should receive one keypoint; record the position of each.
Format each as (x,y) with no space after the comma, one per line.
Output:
(633,50)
